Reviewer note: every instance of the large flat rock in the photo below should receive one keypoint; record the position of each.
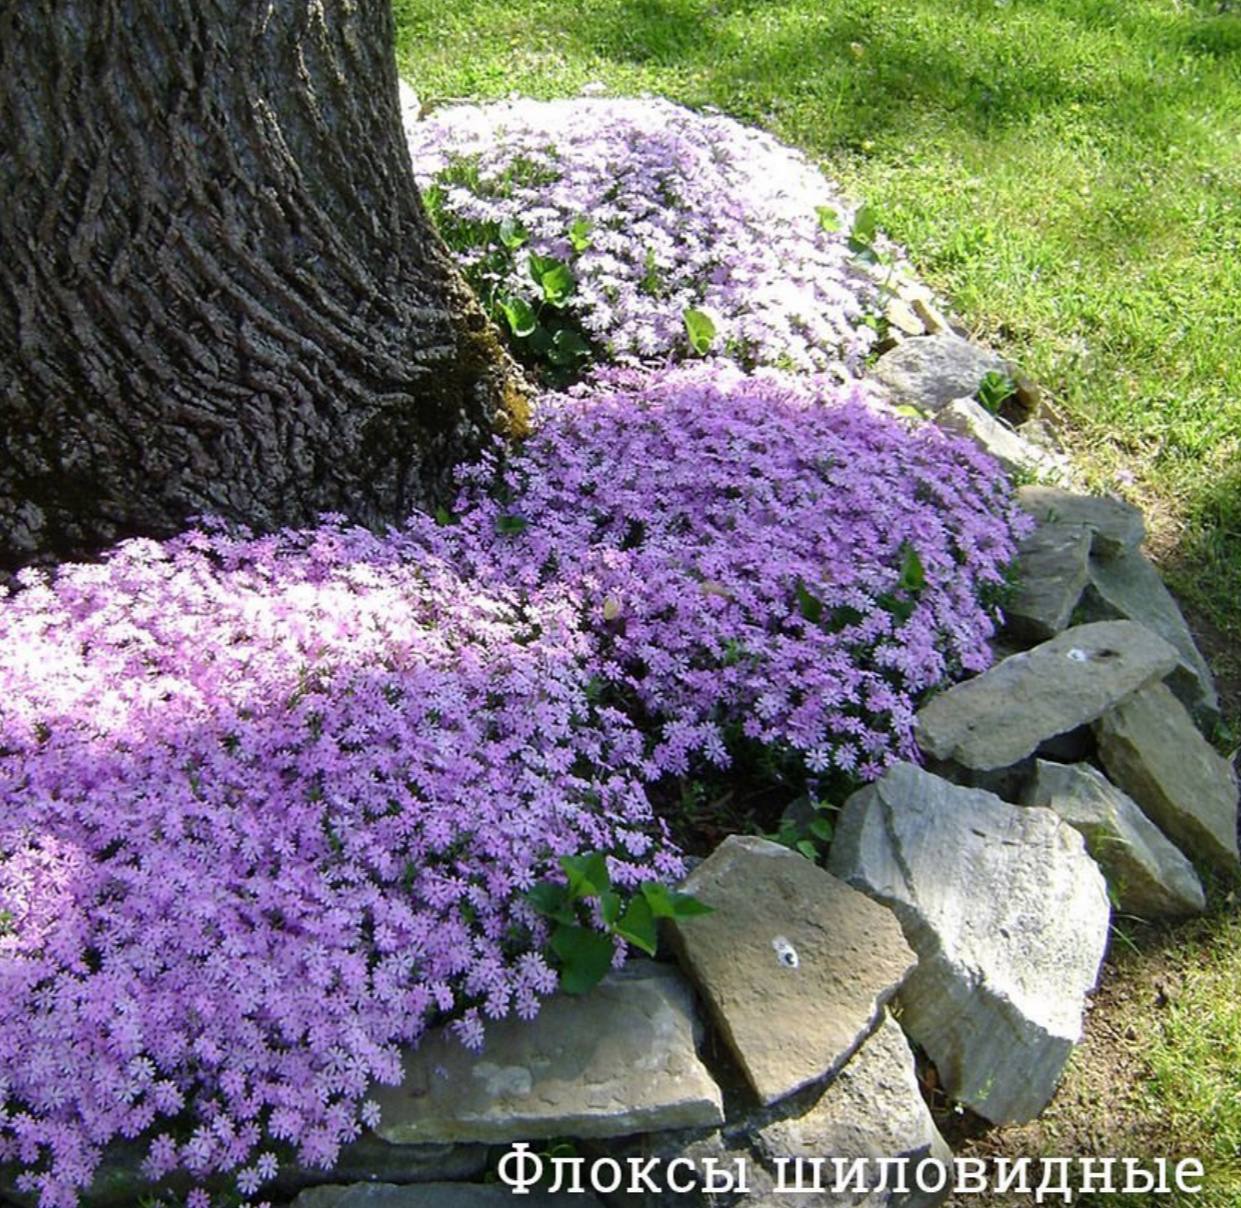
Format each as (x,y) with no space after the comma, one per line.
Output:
(620,1059)
(1053,570)
(793,963)
(1116,527)
(1009,918)
(1129,586)
(930,371)
(1148,876)
(872,1109)
(998,718)
(1152,749)
(969,418)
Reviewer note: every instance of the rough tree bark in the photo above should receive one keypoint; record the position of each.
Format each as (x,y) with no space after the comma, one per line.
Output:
(219,291)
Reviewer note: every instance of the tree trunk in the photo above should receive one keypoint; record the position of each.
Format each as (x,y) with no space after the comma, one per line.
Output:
(219,290)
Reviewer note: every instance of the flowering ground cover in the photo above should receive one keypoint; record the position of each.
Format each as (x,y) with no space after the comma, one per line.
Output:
(266,807)
(271,805)
(593,227)
(759,558)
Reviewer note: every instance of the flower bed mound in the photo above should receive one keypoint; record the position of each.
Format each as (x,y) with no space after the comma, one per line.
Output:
(590,226)
(759,558)
(271,806)
(266,806)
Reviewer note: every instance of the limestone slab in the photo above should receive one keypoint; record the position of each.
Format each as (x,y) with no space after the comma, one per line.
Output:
(1129,586)
(1148,875)
(1054,567)
(1001,716)
(969,418)
(1009,917)
(931,371)
(1117,527)
(872,1109)
(1154,752)
(794,965)
(620,1059)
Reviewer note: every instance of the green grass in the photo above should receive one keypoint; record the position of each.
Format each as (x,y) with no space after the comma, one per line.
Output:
(1192,1044)
(1066,172)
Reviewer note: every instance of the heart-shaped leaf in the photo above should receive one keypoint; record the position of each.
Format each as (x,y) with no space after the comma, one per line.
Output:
(585,957)
(701,329)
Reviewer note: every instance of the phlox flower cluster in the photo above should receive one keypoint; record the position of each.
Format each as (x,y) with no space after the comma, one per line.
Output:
(758,557)
(684,210)
(267,807)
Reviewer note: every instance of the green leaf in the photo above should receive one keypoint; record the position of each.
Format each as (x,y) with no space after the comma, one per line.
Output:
(807,849)
(995,390)
(557,284)
(510,525)
(862,235)
(585,957)
(512,234)
(810,605)
(829,220)
(637,925)
(553,277)
(610,904)
(567,348)
(520,315)
(588,875)
(443,517)
(821,829)
(579,233)
(701,329)
(667,903)
(552,900)
(913,577)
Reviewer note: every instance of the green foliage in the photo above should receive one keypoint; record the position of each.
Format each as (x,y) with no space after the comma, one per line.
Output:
(995,390)
(583,954)
(829,220)
(543,332)
(808,836)
(701,329)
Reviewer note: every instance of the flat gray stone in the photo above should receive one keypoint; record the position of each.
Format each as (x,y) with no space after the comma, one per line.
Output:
(432,1195)
(1117,526)
(1127,585)
(1001,716)
(872,1109)
(1147,875)
(1009,918)
(931,371)
(1154,752)
(620,1059)
(900,315)
(969,418)
(1053,569)
(794,965)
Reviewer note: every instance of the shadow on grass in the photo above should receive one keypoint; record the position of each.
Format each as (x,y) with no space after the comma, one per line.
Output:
(1205,573)
(972,69)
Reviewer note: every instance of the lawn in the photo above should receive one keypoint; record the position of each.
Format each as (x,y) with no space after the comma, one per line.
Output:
(1067,173)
